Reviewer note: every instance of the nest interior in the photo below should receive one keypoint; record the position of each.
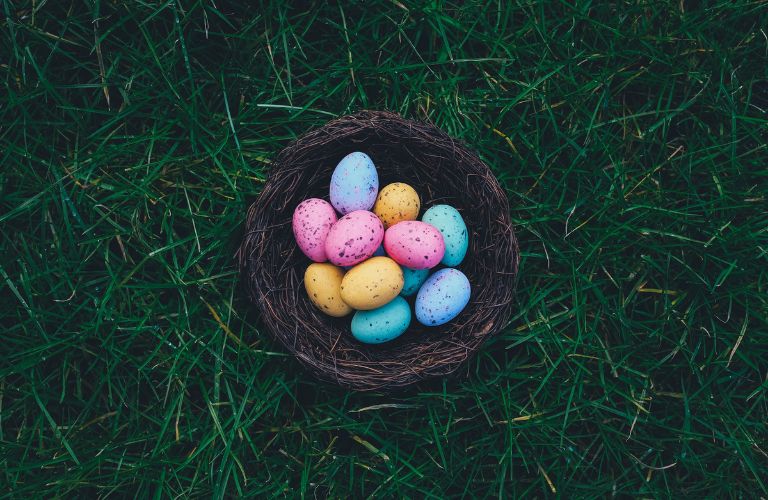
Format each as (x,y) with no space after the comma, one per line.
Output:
(442,170)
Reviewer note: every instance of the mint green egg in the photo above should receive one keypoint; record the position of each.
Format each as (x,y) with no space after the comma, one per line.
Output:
(382,324)
(413,278)
(451,225)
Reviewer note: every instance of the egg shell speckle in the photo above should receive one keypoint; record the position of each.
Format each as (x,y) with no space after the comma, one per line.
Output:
(451,225)
(312,220)
(323,284)
(413,279)
(397,202)
(354,183)
(354,238)
(378,253)
(382,324)
(442,297)
(372,284)
(414,244)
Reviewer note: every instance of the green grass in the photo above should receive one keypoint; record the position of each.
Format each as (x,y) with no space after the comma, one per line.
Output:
(631,138)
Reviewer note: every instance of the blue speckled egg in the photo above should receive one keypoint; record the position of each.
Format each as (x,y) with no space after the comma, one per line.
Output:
(414,278)
(354,183)
(382,324)
(449,222)
(442,297)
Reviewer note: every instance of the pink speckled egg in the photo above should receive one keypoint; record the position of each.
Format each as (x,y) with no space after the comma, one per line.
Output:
(354,238)
(312,221)
(414,244)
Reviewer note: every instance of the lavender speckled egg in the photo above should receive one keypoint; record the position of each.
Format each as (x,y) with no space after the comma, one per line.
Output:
(451,225)
(444,295)
(354,238)
(414,244)
(312,220)
(354,183)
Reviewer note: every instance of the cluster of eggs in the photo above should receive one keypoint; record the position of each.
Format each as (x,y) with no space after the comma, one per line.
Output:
(378,253)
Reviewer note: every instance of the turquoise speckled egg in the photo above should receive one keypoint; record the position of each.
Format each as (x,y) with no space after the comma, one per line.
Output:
(442,297)
(382,324)
(414,278)
(449,222)
(354,183)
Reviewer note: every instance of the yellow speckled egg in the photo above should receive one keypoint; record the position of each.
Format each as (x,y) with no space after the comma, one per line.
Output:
(372,283)
(323,284)
(397,202)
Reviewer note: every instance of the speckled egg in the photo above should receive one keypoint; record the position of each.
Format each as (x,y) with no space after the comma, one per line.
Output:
(323,284)
(397,202)
(372,284)
(442,297)
(378,253)
(382,324)
(451,225)
(354,238)
(312,220)
(413,279)
(354,183)
(414,244)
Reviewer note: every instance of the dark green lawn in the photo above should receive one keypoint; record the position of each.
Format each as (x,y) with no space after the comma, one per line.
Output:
(631,137)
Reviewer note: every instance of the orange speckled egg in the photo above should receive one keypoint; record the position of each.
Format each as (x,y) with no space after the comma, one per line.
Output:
(397,202)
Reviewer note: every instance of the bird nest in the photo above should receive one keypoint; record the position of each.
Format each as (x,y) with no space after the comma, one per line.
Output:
(442,170)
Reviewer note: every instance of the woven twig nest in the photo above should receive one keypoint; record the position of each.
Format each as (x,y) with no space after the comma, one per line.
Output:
(443,171)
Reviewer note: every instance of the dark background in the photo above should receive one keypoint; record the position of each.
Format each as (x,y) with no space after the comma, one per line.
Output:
(631,137)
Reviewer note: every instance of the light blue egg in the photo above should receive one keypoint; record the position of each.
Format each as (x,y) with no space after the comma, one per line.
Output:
(383,324)
(442,297)
(451,225)
(354,183)
(413,278)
